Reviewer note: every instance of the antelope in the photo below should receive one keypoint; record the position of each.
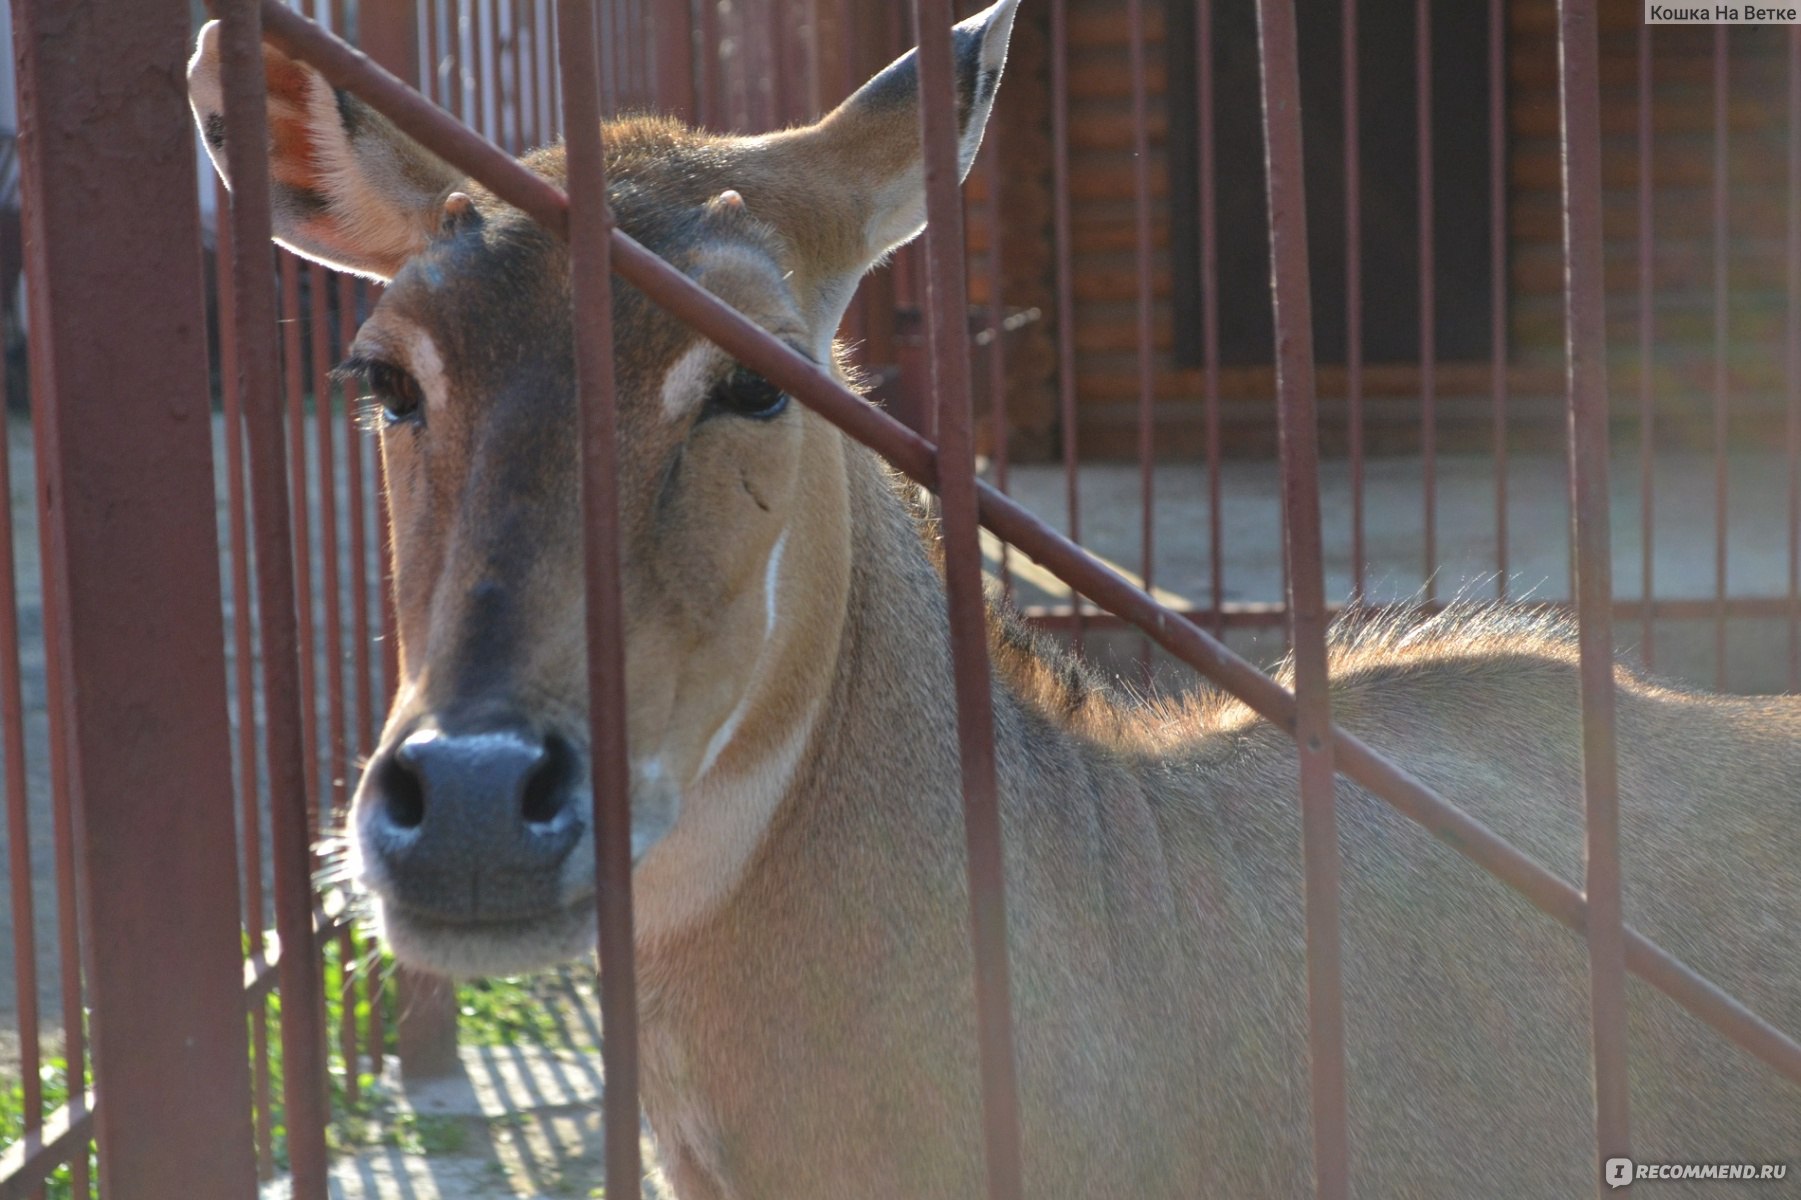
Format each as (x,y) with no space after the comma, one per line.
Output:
(801,903)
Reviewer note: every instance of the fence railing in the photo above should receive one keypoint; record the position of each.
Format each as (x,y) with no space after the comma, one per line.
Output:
(126,509)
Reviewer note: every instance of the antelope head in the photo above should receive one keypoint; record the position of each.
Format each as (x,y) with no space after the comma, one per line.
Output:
(471,823)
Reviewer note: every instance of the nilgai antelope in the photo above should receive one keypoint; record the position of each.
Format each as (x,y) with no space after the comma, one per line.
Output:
(801,903)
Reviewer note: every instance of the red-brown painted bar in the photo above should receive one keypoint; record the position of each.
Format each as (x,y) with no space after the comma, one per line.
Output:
(1144,343)
(333,790)
(295,397)
(1422,62)
(1066,299)
(1794,358)
(1721,346)
(1209,188)
(28,1163)
(244,684)
(947,331)
(1497,267)
(1585,325)
(1647,393)
(674,26)
(591,281)
(302,1009)
(18,820)
(107,160)
(1353,273)
(996,331)
(1290,293)
(62,783)
(361,668)
(917,458)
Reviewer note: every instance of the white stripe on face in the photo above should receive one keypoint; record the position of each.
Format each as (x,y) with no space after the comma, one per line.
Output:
(685,385)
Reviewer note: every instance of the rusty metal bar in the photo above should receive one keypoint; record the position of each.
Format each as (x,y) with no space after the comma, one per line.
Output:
(914,456)
(334,795)
(590,246)
(1585,324)
(948,337)
(244,679)
(1066,297)
(1270,615)
(302,1011)
(1428,352)
(294,394)
(996,331)
(63,784)
(1721,347)
(63,1138)
(674,26)
(361,668)
(1497,266)
(1209,189)
(1647,392)
(18,810)
(1144,337)
(1353,268)
(1794,358)
(126,494)
(1312,728)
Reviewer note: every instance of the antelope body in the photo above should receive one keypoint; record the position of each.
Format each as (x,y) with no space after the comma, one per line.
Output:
(805,974)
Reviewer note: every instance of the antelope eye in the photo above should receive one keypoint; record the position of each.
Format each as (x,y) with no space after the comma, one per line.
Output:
(744,393)
(397,392)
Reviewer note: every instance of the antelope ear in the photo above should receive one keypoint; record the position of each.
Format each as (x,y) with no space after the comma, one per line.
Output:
(347,188)
(872,139)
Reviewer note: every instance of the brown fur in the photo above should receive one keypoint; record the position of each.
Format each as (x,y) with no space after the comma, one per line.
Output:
(804,963)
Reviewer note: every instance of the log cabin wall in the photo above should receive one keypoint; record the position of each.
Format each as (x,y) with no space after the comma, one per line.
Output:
(1104,277)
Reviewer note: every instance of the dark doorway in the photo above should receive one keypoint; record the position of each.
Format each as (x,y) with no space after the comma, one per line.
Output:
(1390,179)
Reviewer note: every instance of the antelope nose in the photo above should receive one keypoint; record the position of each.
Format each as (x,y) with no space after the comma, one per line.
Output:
(474,826)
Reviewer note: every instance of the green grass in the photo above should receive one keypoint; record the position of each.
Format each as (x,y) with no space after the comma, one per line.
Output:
(492,1012)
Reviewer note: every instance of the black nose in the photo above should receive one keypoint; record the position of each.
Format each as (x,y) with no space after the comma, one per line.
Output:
(473,825)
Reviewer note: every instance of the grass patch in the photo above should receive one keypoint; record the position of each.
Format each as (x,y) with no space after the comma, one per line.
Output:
(492,1012)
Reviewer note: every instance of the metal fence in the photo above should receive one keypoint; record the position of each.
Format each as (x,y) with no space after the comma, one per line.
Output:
(147,673)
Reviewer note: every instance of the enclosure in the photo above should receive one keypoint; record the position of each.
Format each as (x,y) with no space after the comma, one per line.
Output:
(1196,347)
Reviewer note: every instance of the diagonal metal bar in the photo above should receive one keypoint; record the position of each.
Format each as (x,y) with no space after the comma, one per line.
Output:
(917,458)
(1585,323)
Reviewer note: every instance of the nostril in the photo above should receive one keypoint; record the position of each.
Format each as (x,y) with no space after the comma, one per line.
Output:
(403,795)
(545,793)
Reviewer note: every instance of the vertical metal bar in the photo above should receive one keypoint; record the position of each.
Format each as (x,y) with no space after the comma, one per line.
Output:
(1794,358)
(361,669)
(63,783)
(302,1010)
(1647,392)
(590,247)
(303,539)
(712,87)
(997,328)
(523,107)
(487,71)
(948,336)
(333,794)
(1147,377)
(1586,333)
(1497,267)
(1290,286)
(244,677)
(127,503)
(18,819)
(1721,249)
(1066,299)
(674,26)
(1428,292)
(1353,268)
(1216,551)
